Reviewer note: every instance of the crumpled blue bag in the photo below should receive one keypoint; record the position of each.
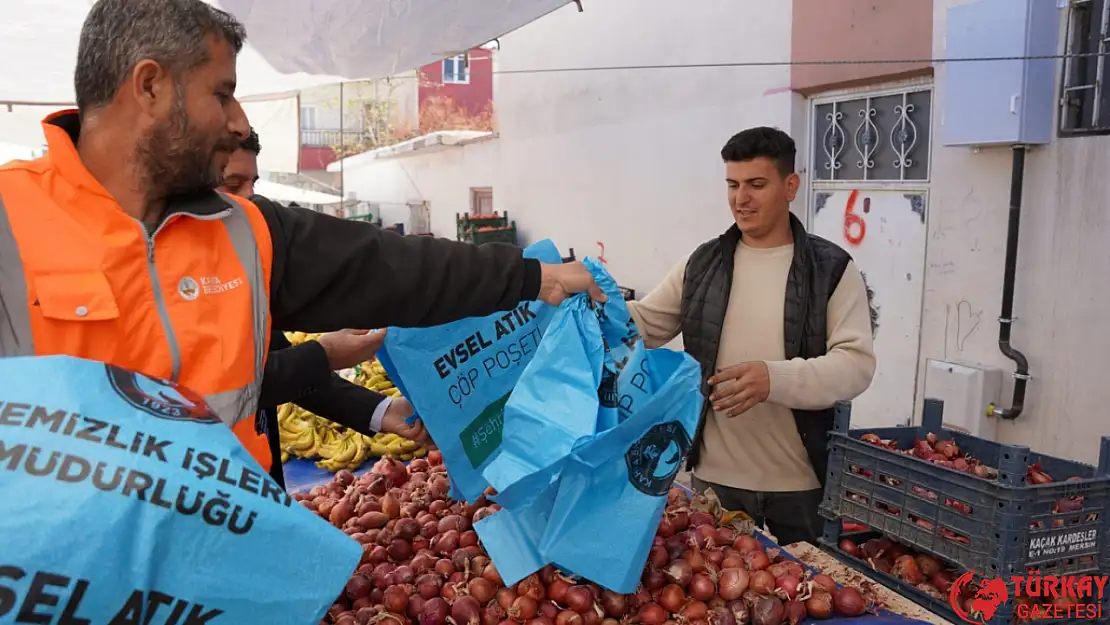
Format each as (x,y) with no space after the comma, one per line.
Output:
(615,420)
(126,498)
(458,377)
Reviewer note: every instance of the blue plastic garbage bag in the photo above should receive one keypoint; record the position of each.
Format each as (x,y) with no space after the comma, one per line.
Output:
(458,377)
(126,500)
(613,417)
(613,488)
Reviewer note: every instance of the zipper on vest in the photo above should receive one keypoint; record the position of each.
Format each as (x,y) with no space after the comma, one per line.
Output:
(156,283)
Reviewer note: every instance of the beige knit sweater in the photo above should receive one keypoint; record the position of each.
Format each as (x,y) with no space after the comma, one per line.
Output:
(760,450)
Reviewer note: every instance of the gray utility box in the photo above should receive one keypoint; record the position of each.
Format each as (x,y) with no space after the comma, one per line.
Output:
(1000,102)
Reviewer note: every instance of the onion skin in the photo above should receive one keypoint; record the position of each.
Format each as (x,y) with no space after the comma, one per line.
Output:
(849,547)
(820,605)
(732,583)
(768,611)
(652,614)
(762,582)
(794,613)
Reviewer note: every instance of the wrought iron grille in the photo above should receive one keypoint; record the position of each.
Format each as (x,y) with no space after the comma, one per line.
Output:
(882,138)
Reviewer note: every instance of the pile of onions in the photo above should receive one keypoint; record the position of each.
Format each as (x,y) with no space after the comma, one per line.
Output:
(920,570)
(423,563)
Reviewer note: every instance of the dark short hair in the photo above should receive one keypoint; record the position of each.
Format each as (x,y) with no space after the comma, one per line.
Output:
(765,142)
(252,144)
(118,34)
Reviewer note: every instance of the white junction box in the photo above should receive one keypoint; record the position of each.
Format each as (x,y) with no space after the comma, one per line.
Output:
(966,390)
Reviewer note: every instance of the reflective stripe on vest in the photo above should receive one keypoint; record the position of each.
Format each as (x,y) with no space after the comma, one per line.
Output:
(235,407)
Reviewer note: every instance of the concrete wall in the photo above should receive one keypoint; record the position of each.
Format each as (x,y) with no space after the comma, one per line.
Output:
(631,158)
(1063,286)
(443,179)
(858,30)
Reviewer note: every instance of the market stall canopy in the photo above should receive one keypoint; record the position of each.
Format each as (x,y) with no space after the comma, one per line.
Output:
(291,44)
(286,193)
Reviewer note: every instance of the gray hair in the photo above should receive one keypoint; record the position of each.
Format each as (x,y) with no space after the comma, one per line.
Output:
(118,34)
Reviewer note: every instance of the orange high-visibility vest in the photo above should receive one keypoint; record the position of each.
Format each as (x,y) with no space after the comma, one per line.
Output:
(188,302)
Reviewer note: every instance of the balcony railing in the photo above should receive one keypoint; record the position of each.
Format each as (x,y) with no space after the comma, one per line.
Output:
(332,138)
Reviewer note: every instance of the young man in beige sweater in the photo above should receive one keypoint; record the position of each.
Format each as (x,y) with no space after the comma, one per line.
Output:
(780,322)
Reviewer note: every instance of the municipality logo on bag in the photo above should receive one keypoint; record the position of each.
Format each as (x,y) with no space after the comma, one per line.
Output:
(655,459)
(160,398)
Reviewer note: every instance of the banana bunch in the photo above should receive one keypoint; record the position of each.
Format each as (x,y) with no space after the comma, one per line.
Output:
(372,376)
(305,435)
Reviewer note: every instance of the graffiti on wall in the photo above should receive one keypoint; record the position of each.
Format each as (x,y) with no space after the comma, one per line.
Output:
(855,228)
(961,320)
(601,253)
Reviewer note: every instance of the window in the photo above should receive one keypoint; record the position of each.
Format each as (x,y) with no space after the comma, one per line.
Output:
(481,201)
(308,118)
(881,137)
(1084,105)
(456,70)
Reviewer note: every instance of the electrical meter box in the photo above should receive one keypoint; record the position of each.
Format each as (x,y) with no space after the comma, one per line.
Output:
(1000,102)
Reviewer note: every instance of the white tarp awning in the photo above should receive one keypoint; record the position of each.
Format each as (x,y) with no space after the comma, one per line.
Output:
(292,44)
(287,193)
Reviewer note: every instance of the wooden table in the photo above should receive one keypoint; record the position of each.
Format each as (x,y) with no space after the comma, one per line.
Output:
(843,574)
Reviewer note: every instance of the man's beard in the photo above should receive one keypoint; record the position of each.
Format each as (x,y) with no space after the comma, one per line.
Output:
(175,158)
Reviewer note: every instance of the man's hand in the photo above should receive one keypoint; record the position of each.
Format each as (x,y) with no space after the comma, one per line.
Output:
(394,422)
(736,389)
(561,281)
(347,348)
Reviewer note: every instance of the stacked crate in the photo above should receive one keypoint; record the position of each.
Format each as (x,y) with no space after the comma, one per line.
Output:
(479,229)
(995,528)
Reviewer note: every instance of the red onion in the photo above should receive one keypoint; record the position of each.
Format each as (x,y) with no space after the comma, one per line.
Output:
(702,588)
(481,590)
(733,583)
(615,605)
(492,575)
(928,565)
(788,585)
(768,611)
(825,583)
(466,611)
(505,598)
(435,612)
(849,547)
(820,605)
(358,586)
(653,580)
(795,613)
(694,611)
(652,614)
(531,586)
(658,557)
(568,617)
(762,582)
(580,599)
(746,543)
(523,608)
(942,580)
(672,597)
(557,590)
(396,599)
(680,572)
(848,602)
(758,560)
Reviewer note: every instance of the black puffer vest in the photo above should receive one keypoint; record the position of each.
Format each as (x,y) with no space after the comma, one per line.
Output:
(814,274)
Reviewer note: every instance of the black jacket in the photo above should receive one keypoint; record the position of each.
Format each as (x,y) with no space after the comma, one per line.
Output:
(814,275)
(330,273)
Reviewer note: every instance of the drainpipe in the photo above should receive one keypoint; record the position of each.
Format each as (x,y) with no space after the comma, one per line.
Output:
(1006,318)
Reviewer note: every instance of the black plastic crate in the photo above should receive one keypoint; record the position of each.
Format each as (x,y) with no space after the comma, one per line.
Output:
(995,527)
(830,543)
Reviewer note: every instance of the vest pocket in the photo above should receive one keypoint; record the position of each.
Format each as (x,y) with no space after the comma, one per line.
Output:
(81,296)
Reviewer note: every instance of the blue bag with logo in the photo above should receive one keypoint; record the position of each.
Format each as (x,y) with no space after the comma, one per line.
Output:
(458,377)
(616,421)
(127,500)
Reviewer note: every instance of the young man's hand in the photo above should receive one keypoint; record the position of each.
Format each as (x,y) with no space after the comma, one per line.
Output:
(347,348)
(394,422)
(736,389)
